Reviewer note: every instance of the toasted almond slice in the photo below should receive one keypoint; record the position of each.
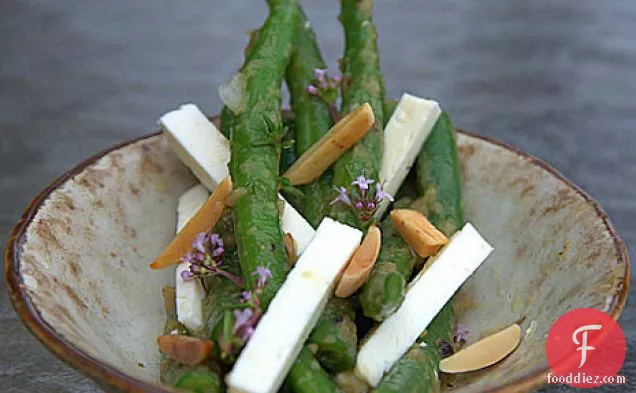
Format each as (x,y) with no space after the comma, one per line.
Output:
(290,249)
(204,219)
(344,134)
(418,232)
(484,352)
(185,349)
(361,263)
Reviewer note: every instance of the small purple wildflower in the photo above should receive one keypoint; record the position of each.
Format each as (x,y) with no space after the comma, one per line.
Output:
(342,197)
(189,257)
(246,296)
(242,317)
(215,240)
(187,275)
(247,333)
(362,182)
(218,252)
(380,195)
(461,333)
(325,87)
(319,74)
(359,197)
(263,274)
(199,242)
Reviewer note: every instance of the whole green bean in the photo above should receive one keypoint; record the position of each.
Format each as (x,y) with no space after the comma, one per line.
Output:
(256,148)
(438,178)
(335,336)
(362,82)
(306,375)
(313,118)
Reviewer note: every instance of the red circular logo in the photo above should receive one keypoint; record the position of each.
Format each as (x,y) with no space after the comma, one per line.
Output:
(585,348)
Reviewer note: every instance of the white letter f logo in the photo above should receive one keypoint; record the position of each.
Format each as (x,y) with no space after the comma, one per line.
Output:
(584,347)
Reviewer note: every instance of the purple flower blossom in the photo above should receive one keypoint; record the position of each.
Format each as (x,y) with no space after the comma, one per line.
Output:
(242,318)
(362,182)
(215,240)
(336,78)
(218,252)
(461,333)
(313,90)
(342,197)
(199,242)
(370,205)
(380,195)
(187,275)
(188,258)
(246,296)
(247,333)
(359,205)
(263,274)
(319,74)
(200,256)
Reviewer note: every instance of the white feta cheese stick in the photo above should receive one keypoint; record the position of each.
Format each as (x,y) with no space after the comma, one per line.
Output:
(203,149)
(280,334)
(189,294)
(426,295)
(404,136)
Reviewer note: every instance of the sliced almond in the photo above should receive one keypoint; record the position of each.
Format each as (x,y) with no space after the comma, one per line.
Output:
(344,134)
(361,263)
(418,231)
(204,219)
(484,352)
(185,349)
(290,249)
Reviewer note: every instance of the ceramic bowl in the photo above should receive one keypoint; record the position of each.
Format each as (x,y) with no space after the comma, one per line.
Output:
(77,262)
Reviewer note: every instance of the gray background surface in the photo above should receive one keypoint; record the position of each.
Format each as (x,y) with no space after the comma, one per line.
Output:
(554,78)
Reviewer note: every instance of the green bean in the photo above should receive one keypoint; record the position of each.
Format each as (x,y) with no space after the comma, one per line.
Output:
(256,148)
(438,179)
(335,336)
(362,82)
(306,375)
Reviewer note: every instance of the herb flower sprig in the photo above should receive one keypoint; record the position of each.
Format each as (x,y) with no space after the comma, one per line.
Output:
(206,259)
(246,316)
(326,88)
(361,197)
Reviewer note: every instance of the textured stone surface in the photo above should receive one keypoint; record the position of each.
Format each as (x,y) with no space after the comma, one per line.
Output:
(553,78)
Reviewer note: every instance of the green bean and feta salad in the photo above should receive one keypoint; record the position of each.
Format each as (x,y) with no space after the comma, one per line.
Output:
(348,192)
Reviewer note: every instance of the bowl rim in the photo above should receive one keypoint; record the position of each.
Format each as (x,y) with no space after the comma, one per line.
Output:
(109,376)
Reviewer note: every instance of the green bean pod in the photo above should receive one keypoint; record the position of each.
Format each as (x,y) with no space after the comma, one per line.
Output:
(438,179)
(362,82)
(307,376)
(409,374)
(313,118)
(256,148)
(335,336)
